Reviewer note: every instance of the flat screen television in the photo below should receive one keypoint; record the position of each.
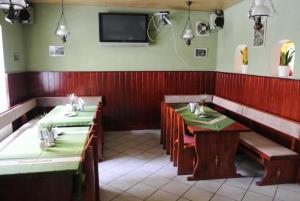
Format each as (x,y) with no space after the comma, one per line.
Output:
(127,29)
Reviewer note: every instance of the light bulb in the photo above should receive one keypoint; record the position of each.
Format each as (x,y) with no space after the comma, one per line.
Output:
(62,32)
(188,36)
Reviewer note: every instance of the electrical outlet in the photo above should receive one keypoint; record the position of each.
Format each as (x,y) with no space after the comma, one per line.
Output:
(16,56)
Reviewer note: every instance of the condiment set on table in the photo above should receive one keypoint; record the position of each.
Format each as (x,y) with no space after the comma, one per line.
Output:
(197,109)
(48,136)
(71,108)
(48,133)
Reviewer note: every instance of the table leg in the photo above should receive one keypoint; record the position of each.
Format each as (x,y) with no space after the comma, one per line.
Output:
(215,154)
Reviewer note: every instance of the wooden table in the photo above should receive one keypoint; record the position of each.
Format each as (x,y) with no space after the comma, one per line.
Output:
(216,142)
(215,151)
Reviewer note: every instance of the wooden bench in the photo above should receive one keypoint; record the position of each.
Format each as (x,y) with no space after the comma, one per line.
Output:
(280,163)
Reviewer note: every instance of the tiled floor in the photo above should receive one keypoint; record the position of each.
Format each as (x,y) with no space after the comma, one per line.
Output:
(136,168)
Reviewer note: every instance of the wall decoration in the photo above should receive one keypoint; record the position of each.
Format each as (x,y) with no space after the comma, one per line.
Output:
(201,52)
(259,36)
(56,51)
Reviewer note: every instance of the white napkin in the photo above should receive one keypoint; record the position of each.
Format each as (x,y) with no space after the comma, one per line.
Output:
(81,104)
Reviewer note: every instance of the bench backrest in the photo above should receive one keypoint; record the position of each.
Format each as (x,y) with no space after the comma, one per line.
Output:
(229,105)
(54,101)
(16,112)
(286,126)
(187,98)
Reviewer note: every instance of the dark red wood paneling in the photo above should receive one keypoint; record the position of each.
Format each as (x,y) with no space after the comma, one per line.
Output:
(132,99)
(274,95)
(18,88)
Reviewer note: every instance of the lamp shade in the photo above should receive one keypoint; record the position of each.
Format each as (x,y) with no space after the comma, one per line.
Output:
(260,8)
(188,34)
(17,4)
(62,31)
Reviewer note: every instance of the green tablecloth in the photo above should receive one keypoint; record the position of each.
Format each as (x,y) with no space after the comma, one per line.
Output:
(24,156)
(214,120)
(57,117)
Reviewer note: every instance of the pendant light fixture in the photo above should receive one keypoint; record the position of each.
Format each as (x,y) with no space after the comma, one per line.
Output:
(11,16)
(259,12)
(62,29)
(187,33)
(11,9)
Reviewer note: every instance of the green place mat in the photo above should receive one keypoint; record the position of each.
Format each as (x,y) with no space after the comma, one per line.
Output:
(26,147)
(210,122)
(56,117)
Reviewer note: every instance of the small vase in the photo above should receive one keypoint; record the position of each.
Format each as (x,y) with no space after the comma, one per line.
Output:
(244,68)
(283,71)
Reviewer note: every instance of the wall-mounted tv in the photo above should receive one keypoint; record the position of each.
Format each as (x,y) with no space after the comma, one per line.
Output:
(118,29)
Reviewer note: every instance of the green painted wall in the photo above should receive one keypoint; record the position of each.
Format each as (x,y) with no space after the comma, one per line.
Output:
(83,52)
(238,30)
(13,42)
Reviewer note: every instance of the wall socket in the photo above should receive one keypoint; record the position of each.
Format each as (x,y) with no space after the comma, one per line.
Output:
(16,56)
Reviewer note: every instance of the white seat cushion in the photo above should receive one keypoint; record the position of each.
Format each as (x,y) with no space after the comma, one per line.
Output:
(11,115)
(229,105)
(187,98)
(5,131)
(264,145)
(30,126)
(283,125)
(54,101)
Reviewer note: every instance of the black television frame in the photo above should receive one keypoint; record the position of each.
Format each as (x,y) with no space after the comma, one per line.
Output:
(123,41)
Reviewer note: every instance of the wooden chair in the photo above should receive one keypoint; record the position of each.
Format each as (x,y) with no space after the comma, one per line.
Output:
(95,154)
(184,148)
(162,123)
(89,190)
(169,131)
(98,121)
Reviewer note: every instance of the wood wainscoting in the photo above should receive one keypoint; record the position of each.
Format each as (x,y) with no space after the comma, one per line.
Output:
(270,94)
(17,87)
(131,99)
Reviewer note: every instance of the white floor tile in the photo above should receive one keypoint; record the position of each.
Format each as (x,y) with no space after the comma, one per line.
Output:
(105,177)
(209,185)
(136,162)
(156,181)
(232,192)
(217,197)
(265,190)
(243,182)
(123,183)
(176,188)
(183,179)
(291,187)
(126,197)
(196,194)
(162,196)
(168,171)
(251,196)
(287,195)
(141,190)
(108,193)
(138,174)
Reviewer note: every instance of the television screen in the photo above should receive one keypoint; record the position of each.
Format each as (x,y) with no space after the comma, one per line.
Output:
(116,27)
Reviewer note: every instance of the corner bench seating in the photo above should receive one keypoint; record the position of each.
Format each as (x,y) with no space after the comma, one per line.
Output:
(9,116)
(90,158)
(279,162)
